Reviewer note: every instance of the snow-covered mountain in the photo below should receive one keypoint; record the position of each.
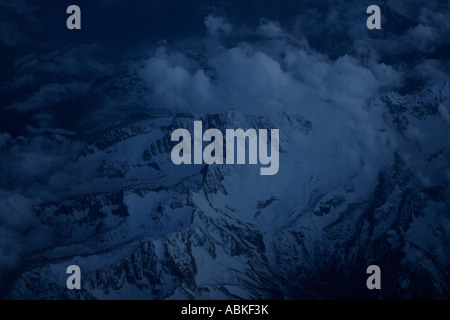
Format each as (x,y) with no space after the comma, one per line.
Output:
(153,230)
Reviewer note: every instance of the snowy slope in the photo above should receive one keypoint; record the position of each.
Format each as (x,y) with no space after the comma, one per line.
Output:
(153,230)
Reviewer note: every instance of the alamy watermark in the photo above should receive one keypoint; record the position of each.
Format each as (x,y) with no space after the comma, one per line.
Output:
(235,140)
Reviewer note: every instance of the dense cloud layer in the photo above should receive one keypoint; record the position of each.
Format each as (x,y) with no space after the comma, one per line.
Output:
(275,73)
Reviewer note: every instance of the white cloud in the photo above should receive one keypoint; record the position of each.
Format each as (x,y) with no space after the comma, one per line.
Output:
(432,70)
(270,29)
(176,87)
(423,37)
(266,77)
(17,219)
(217,26)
